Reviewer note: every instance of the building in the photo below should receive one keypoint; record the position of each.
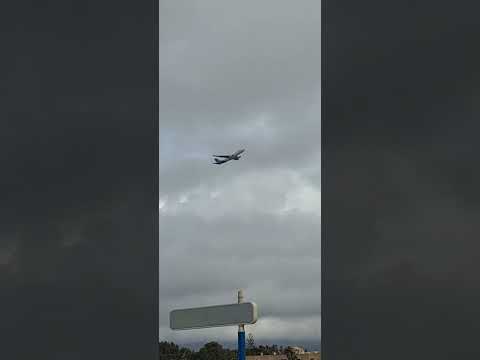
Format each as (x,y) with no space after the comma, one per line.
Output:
(300,354)
(296,350)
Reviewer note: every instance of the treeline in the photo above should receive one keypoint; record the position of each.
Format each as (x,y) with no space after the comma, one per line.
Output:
(209,351)
(215,351)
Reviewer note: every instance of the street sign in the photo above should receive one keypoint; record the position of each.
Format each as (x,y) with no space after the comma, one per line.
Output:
(212,316)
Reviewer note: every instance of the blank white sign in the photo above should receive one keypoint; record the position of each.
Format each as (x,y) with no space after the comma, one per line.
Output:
(213,316)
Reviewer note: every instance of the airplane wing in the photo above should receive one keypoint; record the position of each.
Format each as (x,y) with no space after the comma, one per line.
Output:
(222,156)
(218,162)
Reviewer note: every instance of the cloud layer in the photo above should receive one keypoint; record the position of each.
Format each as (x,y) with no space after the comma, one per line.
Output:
(241,76)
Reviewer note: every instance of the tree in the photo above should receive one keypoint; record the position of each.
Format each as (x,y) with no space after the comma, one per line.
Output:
(168,351)
(214,351)
(168,347)
(171,351)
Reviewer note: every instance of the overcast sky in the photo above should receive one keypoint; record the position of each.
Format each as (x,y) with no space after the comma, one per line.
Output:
(241,75)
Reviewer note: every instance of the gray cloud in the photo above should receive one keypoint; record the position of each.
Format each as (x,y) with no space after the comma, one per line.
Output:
(223,59)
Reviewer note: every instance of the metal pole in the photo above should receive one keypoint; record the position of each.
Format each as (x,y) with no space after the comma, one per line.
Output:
(241,332)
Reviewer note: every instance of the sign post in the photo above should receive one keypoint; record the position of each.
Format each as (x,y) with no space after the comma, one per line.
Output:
(220,315)
(241,332)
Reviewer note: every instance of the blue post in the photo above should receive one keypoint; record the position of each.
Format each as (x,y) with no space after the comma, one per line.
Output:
(241,332)
(241,344)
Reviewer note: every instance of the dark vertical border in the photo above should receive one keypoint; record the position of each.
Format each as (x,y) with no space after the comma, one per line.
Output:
(323,138)
(79,180)
(156,179)
(400,175)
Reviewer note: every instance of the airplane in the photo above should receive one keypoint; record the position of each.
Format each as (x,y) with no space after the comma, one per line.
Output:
(234,156)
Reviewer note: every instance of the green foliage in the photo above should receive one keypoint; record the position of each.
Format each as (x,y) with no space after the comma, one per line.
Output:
(210,351)
(171,351)
(215,351)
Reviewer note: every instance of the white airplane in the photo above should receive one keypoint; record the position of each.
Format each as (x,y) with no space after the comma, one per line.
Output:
(225,158)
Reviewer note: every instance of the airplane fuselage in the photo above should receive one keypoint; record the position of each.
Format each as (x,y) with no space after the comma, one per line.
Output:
(234,156)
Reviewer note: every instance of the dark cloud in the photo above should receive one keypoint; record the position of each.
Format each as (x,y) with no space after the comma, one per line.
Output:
(78,149)
(399,180)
